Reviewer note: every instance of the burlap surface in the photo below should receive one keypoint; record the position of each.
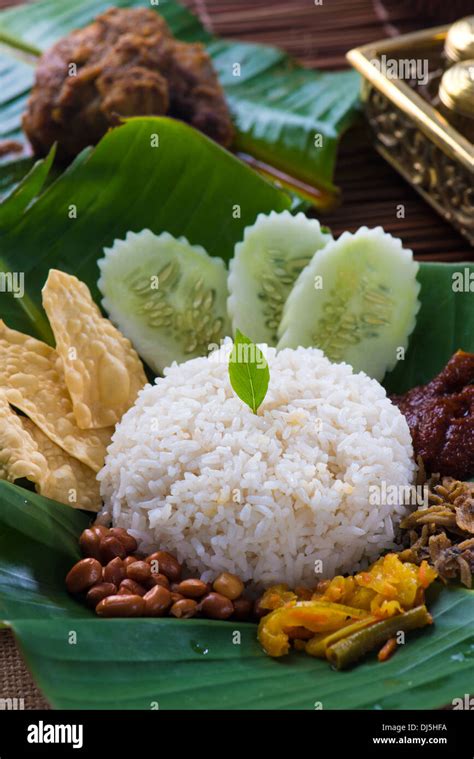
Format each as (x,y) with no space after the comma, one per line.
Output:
(17,688)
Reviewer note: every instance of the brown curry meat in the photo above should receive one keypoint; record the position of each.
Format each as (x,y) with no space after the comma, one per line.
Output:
(126,63)
(440,416)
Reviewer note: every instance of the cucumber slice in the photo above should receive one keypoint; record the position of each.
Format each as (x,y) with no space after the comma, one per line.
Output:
(356,300)
(265,266)
(166,295)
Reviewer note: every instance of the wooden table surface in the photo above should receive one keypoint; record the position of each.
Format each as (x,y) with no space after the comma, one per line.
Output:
(319,35)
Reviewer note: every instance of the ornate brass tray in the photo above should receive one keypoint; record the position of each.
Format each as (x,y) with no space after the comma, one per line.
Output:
(410,133)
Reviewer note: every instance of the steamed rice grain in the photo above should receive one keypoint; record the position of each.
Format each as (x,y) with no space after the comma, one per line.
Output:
(282,496)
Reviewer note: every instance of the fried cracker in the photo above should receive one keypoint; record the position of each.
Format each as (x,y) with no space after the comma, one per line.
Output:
(103,372)
(32,379)
(19,454)
(68,480)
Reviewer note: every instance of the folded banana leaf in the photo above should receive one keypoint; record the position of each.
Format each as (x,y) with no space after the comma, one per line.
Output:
(287,117)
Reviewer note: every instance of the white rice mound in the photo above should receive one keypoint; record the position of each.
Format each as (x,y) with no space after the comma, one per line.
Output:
(192,470)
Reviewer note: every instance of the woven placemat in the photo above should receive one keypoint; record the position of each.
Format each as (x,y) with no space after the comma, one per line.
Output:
(319,35)
(17,689)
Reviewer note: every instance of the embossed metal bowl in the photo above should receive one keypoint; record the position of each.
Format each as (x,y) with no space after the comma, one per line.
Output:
(409,131)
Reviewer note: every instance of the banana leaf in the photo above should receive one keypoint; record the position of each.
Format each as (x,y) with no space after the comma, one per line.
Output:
(38,25)
(138,663)
(32,590)
(176,664)
(279,107)
(16,77)
(25,191)
(444,324)
(186,186)
(123,185)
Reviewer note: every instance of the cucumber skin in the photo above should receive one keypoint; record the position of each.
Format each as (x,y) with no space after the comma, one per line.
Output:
(245,309)
(304,307)
(157,347)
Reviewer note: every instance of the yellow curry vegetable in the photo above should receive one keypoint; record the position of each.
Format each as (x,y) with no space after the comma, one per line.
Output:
(346,606)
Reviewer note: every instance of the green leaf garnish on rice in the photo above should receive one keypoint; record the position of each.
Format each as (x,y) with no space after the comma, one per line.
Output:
(248,371)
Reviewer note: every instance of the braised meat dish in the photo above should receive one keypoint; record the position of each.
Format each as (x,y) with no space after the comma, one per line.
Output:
(126,63)
(440,416)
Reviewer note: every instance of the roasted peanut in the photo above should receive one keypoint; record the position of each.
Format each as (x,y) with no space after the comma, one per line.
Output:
(89,543)
(129,542)
(100,530)
(83,575)
(228,585)
(166,564)
(176,597)
(157,580)
(114,571)
(258,612)
(157,601)
(183,609)
(121,606)
(139,571)
(242,609)
(110,547)
(103,519)
(99,591)
(130,560)
(191,588)
(131,587)
(216,606)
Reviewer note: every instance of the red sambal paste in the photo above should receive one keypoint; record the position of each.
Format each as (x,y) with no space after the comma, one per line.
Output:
(440,416)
